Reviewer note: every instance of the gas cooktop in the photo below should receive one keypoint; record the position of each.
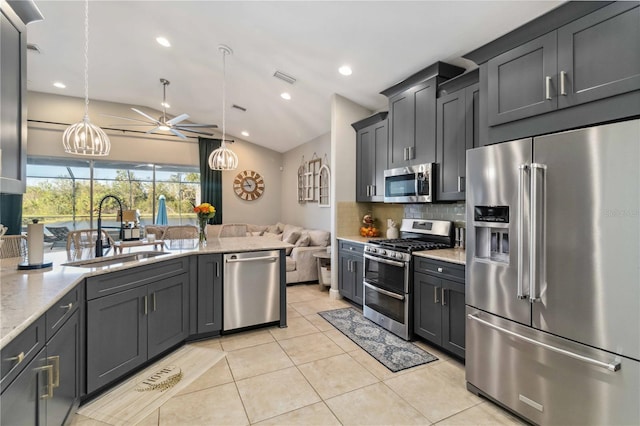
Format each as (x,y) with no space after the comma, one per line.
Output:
(410,244)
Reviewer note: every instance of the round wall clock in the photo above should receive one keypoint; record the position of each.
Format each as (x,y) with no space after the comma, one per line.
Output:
(248,185)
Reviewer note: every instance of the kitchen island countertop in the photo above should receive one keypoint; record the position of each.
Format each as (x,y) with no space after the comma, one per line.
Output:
(26,295)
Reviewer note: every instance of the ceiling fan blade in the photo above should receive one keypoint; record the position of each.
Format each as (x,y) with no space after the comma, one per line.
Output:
(176,120)
(129,119)
(177,133)
(193,131)
(213,126)
(153,130)
(145,115)
(130,124)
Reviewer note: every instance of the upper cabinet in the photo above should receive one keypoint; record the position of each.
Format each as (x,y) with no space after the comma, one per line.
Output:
(594,57)
(577,65)
(457,131)
(14,16)
(412,116)
(371,157)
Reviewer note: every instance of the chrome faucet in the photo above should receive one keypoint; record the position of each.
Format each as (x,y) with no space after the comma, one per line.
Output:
(99,238)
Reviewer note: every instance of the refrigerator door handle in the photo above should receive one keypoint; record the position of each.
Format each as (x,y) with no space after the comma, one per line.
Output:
(522,181)
(611,366)
(537,235)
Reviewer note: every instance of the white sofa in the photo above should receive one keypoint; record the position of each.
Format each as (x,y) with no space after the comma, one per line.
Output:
(301,265)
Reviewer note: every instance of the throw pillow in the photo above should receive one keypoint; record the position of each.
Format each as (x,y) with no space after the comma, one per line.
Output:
(274,229)
(272,235)
(292,238)
(303,241)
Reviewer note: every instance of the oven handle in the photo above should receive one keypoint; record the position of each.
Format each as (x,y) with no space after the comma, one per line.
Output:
(386,261)
(385,292)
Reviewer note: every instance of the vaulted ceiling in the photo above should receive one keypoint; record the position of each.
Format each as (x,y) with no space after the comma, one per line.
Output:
(382,41)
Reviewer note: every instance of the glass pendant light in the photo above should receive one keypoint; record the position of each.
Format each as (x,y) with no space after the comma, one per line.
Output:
(84,138)
(223,158)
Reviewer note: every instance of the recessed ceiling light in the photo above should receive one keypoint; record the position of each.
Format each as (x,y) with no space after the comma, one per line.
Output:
(163,41)
(244,133)
(165,104)
(285,95)
(345,70)
(60,85)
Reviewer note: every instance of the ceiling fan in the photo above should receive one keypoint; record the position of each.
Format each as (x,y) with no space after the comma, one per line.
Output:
(162,123)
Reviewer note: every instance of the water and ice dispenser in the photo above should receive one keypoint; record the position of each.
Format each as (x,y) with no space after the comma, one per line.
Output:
(491,226)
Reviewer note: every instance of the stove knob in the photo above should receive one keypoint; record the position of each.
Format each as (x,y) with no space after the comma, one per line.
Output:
(399,256)
(383,252)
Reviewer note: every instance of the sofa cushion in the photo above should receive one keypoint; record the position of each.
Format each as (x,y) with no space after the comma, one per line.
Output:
(256,228)
(290,264)
(272,235)
(304,240)
(275,229)
(291,238)
(319,237)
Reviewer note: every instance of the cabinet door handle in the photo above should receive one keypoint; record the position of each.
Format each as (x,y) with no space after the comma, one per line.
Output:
(460,183)
(563,88)
(443,291)
(56,369)
(18,358)
(218,269)
(435,295)
(49,370)
(146,310)
(440,270)
(153,302)
(67,307)
(373,190)
(411,153)
(547,87)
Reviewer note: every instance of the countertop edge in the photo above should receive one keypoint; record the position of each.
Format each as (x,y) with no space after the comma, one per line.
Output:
(452,255)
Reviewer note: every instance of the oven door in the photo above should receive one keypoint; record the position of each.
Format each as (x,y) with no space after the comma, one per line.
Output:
(388,309)
(387,274)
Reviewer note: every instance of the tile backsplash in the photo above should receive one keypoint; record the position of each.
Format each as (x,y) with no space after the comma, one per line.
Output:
(349,214)
(454,212)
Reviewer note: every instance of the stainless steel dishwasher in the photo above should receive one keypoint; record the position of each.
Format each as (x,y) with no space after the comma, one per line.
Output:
(251,289)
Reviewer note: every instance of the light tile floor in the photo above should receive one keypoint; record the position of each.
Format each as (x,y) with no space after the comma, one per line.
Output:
(311,374)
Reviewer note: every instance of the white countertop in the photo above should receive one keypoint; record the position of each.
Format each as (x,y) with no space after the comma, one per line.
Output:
(26,295)
(453,255)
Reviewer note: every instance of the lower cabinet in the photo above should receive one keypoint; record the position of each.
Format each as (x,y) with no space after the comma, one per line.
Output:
(127,328)
(209,293)
(47,388)
(439,309)
(351,271)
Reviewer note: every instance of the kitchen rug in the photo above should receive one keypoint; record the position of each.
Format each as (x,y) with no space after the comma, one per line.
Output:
(133,400)
(390,350)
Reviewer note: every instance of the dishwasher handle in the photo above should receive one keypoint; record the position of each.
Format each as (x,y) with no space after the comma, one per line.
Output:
(253,259)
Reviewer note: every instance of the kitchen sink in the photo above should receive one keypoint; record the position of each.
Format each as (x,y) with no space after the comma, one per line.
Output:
(111,260)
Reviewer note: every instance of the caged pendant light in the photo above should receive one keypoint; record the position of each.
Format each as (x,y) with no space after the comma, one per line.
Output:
(223,158)
(84,138)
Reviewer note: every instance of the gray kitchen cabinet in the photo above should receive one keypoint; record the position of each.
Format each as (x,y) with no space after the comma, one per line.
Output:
(13,104)
(47,388)
(594,57)
(412,115)
(127,328)
(412,123)
(439,304)
(457,131)
(116,336)
(351,270)
(371,157)
(209,304)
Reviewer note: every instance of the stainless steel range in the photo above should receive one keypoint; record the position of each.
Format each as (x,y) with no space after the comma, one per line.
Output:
(388,272)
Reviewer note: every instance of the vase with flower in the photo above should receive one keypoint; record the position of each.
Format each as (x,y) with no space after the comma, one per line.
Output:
(204,211)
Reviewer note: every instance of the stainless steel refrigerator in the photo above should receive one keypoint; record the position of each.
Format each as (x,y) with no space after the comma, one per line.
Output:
(553,275)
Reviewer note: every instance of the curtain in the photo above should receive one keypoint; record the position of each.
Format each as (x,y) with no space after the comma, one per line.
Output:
(11,213)
(210,180)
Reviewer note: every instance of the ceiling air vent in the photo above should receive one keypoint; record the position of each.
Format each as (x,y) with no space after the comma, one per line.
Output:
(243,109)
(284,77)
(33,47)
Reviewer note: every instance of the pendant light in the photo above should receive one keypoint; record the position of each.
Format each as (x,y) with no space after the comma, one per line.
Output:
(84,138)
(223,158)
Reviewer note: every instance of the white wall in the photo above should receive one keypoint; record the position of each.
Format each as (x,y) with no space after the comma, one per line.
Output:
(46,140)
(307,215)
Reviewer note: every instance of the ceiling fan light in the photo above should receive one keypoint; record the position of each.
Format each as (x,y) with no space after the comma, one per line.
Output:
(223,159)
(84,138)
(163,127)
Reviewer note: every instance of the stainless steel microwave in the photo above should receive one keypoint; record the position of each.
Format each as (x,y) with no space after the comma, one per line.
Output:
(411,184)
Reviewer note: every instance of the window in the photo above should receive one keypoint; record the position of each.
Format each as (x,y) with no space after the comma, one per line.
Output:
(64,192)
